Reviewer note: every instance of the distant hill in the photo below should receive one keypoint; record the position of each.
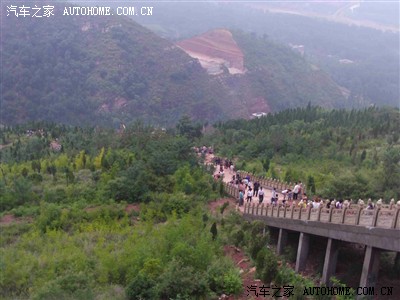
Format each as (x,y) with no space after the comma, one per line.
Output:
(263,76)
(91,70)
(364,61)
(110,70)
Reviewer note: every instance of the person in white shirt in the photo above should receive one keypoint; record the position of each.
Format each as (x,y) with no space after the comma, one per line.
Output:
(261,194)
(249,195)
(316,203)
(296,191)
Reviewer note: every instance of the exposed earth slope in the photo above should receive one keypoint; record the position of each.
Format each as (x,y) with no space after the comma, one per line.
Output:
(215,50)
(259,75)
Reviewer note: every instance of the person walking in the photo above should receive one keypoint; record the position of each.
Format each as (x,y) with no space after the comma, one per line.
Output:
(256,186)
(261,195)
(274,198)
(296,191)
(249,195)
(241,198)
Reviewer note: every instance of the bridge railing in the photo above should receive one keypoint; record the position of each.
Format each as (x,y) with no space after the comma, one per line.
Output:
(280,186)
(386,216)
(267,182)
(379,217)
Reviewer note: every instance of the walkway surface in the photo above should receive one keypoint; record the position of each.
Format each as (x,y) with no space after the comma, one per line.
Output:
(227,178)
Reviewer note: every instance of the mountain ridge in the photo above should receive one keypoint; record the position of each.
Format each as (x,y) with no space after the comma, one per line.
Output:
(109,70)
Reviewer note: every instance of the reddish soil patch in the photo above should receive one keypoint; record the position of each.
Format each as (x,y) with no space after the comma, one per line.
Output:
(132,207)
(214,206)
(213,48)
(7,219)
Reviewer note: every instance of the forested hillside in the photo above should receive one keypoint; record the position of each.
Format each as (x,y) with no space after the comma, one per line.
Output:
(99,70)
(110,70)
(365,61)
(284,78)
(343,154)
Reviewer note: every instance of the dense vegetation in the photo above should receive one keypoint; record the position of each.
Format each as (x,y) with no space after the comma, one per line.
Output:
(122,215)
(283,77)
(99,70)
(83,241)
(344,154)
(110,70)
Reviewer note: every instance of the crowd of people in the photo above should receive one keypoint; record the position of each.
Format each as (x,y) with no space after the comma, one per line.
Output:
(296,197)
(253,192)
(222,165)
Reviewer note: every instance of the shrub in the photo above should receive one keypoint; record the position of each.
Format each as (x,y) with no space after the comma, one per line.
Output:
(336,283)
(69,286)
(214,230)
(268,272)
(257,243)
(287,276)
(215,274)
(183,282)
(49,217)
(221,188)
(142,287)
(257,228)
(232,282)
(223,207)
(238,238)
(260,258)
(36,178)
(290,254)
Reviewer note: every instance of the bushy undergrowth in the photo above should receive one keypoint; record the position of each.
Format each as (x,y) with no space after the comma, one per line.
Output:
(176,259)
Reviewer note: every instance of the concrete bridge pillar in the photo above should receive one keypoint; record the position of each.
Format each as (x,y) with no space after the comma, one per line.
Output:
(331,255)
(370,268)
(282,240)
(302,251)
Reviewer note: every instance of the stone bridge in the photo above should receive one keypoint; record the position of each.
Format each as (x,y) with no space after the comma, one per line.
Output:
(377,229)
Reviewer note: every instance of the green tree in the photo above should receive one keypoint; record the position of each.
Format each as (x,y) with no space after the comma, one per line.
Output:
(186,128)
(311,184)
(391,168)
(214,230)
(265,163)
(363,155)
(51,169)
(69,176)
(24,172)
(80,160)
(36,166)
